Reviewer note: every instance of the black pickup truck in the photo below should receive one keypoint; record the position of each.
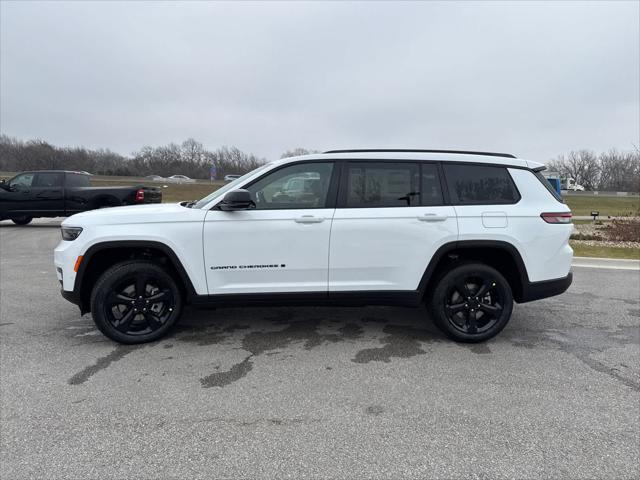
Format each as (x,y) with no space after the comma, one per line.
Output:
(55,193)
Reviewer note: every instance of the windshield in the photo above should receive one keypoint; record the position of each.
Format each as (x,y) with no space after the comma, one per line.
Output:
(228,187)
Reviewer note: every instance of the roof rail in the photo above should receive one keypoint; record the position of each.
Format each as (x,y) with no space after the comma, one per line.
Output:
(391,150)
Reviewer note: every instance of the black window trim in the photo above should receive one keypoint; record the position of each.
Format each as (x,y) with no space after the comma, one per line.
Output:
(482,164)
(336,195)
(332,191)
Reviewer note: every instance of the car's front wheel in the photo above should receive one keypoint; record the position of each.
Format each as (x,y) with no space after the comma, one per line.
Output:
(135,302)
(472,302)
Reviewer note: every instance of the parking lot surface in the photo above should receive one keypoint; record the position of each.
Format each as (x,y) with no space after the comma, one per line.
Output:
(316,392)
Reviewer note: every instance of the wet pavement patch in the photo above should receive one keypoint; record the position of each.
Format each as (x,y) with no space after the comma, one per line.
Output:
(208,336)
(118,353)
(233,328)
(374,410)
(402,342)
(259,342)
(235,373)
(272,341)
(480,348)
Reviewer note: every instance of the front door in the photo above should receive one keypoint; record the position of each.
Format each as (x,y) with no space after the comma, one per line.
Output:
(280,246)
(17,197)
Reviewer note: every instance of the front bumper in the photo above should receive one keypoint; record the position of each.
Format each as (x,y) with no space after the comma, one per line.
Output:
(70,296)
(548,288)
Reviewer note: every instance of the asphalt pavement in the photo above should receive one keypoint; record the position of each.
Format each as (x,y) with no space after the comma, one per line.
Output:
(316,392)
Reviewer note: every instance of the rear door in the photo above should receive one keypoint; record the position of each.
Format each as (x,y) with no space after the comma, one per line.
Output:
(390,220)
(75,199)
(485,199)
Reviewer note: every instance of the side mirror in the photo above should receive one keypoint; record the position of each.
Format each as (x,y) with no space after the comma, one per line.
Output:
(237,200)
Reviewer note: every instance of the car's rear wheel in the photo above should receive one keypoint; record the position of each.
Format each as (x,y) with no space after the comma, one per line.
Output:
(472,302)
(24,220)
(135,302)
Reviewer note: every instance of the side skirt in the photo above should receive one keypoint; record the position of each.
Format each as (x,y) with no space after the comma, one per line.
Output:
(403,298)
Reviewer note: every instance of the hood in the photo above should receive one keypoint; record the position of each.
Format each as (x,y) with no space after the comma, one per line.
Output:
(136,214)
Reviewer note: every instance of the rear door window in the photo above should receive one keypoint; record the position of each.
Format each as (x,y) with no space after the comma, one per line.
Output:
(49,179)
(381,184)
(480,184)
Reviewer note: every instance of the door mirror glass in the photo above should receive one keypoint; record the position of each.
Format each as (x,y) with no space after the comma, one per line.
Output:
(237,200)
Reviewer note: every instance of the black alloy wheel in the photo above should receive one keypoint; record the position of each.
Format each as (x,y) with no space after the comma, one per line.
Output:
(472,303)
(135,302)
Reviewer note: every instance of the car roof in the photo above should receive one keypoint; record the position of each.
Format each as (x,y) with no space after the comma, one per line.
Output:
(426,155)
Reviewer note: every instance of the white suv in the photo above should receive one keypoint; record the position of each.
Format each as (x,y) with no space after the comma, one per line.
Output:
(466,232)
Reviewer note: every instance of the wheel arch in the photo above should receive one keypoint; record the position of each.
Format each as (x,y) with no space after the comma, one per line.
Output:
(501,255)
(101,256)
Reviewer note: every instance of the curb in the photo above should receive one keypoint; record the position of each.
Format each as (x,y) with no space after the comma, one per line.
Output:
(612,263)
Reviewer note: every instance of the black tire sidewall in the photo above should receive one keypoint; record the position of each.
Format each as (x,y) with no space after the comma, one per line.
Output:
(439,298)
(22,220)
(110,278)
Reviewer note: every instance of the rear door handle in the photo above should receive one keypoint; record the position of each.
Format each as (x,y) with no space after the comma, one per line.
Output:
(432,217)
(309,219)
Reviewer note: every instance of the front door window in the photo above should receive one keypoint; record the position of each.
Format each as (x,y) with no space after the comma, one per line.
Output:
(298,186)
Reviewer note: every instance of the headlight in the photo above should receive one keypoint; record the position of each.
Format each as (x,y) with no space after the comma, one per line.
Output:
(70,233)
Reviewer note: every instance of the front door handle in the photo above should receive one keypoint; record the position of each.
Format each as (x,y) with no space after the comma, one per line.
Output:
(309,219)
(432,217)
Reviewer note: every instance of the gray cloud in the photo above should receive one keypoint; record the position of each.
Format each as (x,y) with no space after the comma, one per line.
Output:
(534,79)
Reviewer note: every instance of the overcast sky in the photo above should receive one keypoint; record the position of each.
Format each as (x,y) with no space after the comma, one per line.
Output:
(531,79)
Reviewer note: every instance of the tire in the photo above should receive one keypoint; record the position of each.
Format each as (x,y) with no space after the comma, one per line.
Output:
(123,307)
(483,311)
(22,220)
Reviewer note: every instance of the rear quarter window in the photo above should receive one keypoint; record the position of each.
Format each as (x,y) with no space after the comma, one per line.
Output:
(480,185)
(548,186)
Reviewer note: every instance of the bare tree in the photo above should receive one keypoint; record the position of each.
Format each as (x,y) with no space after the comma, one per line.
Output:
(582,166)
(297,152)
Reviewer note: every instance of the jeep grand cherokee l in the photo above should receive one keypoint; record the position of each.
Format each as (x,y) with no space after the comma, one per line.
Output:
(467,233)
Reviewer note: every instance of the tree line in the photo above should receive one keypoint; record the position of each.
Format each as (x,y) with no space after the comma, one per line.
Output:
(189,158)
(613,170)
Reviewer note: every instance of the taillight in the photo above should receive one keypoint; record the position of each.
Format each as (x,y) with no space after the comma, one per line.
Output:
(563,217)
(140,195)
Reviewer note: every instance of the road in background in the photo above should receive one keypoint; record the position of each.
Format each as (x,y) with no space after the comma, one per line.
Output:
(323,392)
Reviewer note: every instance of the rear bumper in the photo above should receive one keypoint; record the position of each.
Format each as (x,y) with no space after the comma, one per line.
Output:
(548,288)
